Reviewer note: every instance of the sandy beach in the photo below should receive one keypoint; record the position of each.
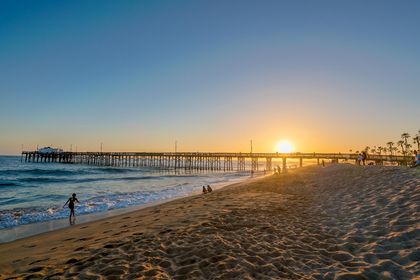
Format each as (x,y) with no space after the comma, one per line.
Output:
(337,222)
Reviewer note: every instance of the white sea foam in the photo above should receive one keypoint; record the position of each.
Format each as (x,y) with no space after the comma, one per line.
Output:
(32,193)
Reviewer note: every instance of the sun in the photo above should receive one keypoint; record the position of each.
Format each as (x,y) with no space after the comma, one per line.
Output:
(284,146)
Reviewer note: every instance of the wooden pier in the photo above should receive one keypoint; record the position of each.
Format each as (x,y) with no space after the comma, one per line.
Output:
(200,161)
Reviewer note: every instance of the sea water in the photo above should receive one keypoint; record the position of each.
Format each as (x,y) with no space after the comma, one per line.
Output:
(36,192)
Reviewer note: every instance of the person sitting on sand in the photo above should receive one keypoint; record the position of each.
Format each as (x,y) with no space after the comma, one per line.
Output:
(416,161)
(204,189)
(359,159)
(71,202)
(209,189)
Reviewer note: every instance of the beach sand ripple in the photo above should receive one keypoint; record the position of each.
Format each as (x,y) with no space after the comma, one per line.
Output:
(337,222)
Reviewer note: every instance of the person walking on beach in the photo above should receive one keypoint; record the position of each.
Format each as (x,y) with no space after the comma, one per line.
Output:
(209,189)
(71,202)
(204,190)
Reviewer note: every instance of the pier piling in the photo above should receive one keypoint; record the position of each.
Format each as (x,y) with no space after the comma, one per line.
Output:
(196,161)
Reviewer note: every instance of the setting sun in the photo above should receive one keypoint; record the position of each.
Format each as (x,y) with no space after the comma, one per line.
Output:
(284,146)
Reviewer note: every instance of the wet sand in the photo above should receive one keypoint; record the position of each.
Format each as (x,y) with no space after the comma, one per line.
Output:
(337,222)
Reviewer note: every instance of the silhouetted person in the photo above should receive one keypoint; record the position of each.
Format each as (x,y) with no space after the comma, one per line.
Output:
(204,189)
(323,163)
(209,189)
(71,202)
(364,157)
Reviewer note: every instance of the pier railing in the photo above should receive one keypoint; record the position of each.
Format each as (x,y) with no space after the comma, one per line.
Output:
(200,161)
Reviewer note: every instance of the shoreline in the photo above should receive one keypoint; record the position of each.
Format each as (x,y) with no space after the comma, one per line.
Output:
(337,222)
(27,230)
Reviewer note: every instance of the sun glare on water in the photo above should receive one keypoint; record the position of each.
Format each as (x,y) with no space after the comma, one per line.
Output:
(284,146)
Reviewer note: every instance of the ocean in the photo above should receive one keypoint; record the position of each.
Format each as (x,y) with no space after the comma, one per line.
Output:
(36,192)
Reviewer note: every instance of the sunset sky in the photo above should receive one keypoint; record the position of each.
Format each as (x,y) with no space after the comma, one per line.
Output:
(329,76)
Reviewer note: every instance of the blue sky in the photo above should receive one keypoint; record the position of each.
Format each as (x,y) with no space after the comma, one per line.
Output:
(136,75)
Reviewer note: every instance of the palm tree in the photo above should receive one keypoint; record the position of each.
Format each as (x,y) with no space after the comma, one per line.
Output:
(379,149)
(390,146)
(367,148)
(401,144)
(407,148)
(405,137)
(384,149)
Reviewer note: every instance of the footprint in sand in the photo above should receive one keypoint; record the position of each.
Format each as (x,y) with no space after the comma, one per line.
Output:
(165,231)
(85,239)
(112,245)
(121,232)
(36,269)
(72,261)
(37,261)
(68,239)
(99,239)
